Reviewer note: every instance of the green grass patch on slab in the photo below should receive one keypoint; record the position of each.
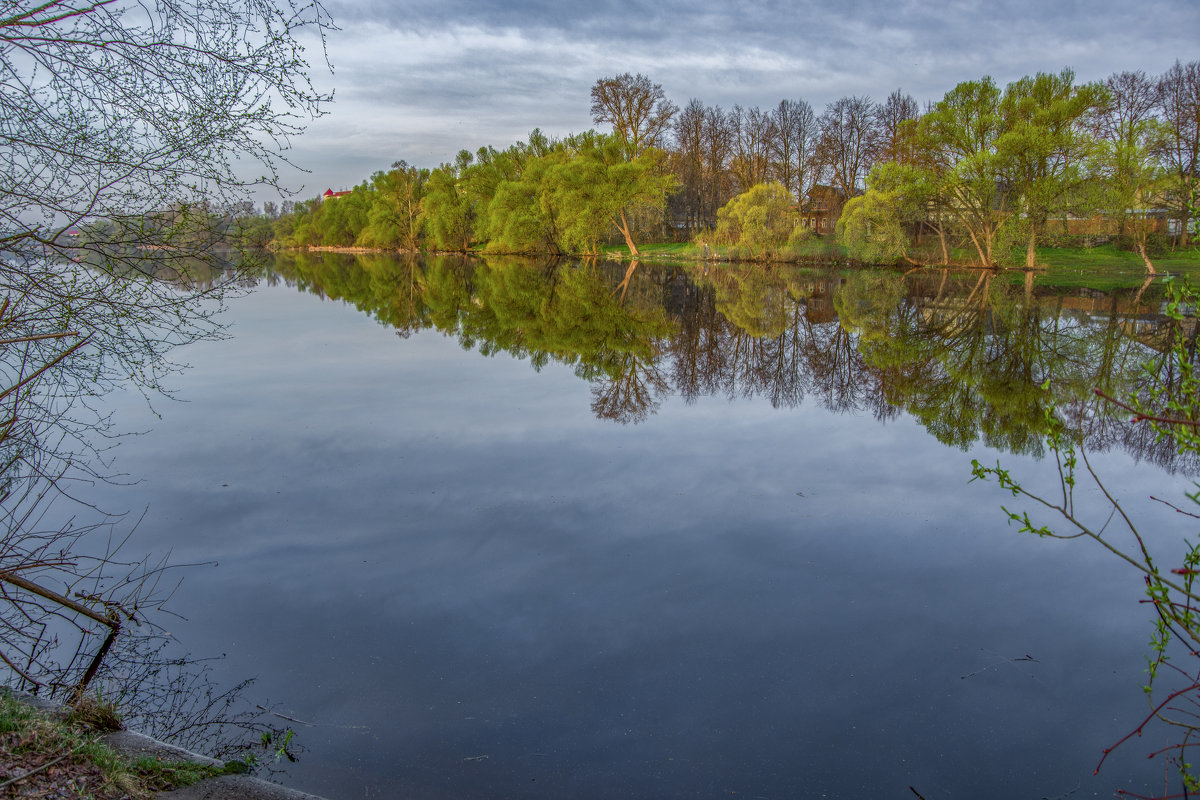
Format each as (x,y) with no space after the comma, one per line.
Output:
(59,755)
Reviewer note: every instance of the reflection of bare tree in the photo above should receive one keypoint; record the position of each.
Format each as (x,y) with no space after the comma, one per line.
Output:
(839,375)
(179,702)
(630,392)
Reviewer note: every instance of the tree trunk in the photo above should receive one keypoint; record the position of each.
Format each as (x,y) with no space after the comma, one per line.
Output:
(1031,247)
(623,227)
(1141,246)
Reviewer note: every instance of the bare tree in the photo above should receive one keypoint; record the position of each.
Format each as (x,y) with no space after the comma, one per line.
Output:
(1125,122)
(1131,101)
(850,141)
(689,160)
(794,162)
(898,109)
(1179,102)
(753,135)
(637,109)
(718,146)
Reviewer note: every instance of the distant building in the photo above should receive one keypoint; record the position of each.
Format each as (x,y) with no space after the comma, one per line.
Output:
(821,207)
(331,194)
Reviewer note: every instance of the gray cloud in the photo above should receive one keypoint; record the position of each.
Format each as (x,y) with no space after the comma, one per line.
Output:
(421,81)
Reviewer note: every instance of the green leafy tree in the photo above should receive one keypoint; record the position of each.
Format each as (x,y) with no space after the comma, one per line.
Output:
(960,165)
(1044,147)
(343,219)
(760,219)
(871,229)
(505,189)
(516,219)
(394,218)
(598,189)
(447,209)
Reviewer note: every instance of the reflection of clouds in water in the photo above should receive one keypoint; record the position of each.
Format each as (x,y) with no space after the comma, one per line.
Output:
(451,551)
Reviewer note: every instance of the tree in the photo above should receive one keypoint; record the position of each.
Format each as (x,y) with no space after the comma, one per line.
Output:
(688,160)
(1179,102)
(639,112)
(793,148)
(871,230)
(597,189)
(394,217)
(126,128)
(959,166)
(760,219)
(448,212)
(1044,145)
(1130,139)
(117,110)
(718,144)
(898,109)
(850,141)
(753,139)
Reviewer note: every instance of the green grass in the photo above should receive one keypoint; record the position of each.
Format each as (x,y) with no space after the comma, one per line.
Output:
(821,249)
(81,761)
(667,250)
(1108,255)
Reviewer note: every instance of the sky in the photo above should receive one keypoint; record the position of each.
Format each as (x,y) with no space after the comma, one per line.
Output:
(420,81)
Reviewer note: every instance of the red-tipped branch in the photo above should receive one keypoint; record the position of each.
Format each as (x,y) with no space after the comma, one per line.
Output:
(1141,416)
(1138,730)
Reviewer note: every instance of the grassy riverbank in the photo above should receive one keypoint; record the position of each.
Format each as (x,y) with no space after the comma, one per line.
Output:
(826,249)
(45,755)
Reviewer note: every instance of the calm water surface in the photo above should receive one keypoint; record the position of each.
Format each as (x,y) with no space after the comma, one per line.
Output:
(511,530)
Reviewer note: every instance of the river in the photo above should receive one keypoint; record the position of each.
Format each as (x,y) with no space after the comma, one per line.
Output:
(508,529)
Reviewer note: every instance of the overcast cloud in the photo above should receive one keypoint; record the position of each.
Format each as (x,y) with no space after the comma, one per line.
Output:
(420,81)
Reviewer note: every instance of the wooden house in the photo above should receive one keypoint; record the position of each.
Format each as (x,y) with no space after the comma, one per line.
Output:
(821,207)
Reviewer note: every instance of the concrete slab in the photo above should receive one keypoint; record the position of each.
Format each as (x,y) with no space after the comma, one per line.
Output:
(235,787)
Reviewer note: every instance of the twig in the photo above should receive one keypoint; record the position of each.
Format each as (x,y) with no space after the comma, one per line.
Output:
(41,767)
(1141,415)
(1172,505)
(284,716)
(1138,730)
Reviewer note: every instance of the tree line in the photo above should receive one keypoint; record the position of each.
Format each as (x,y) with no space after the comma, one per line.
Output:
(983,174)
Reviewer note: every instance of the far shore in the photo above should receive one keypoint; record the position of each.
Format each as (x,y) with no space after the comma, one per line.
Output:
(825,253)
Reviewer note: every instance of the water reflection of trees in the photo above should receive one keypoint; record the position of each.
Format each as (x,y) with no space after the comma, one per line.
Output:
(966,354)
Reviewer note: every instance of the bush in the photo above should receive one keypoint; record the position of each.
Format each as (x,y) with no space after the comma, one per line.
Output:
(871,231)
(758,221)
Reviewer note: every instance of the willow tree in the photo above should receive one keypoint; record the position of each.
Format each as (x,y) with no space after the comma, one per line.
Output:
(448,212)
(598,189)
(761,219)
(394,218)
